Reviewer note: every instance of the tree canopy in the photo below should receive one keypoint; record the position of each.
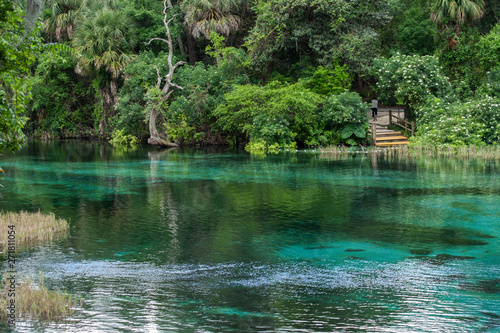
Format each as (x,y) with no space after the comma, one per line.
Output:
(100,83)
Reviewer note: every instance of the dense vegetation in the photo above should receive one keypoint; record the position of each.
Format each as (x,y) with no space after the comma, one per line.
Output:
(276,73)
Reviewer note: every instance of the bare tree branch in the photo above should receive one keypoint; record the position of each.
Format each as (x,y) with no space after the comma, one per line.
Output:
(166,91)
(156,38)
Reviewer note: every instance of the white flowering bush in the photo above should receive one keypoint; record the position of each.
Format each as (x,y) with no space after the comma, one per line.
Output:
(411,80)
(441,123)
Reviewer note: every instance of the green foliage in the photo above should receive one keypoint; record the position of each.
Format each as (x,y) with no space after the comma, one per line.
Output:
(345,113)
(230,61)
(462,64)
(147,17)
(206,16)
(62,101)
(105,40)
(459,124)
(457,11)
(410,31)
(179,130)
(271,130)
(202,93)
(18,50)
(323,30)
(121,138)
(491,86)
(346,108)
(326,81)
(489,49)
(289,29)
(411,80)
(248,112)
(140,76)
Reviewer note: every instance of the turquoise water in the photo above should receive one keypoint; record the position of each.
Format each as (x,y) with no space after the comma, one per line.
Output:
(218,241)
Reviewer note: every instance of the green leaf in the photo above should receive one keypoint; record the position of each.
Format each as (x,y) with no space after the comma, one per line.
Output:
(351,142)
(359,131)
(347,131)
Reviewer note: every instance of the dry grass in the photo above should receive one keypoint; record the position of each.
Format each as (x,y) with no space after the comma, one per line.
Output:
(36,301)
(485,153)
(30,229)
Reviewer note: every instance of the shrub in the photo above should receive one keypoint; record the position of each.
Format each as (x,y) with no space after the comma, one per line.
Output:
(62,101)
(191,108)
(347,114)
(459,124)
(491,86)
(346,108)
(325,81)
(140,76)
(271,130)
(271,113)
(120,138)
(411,80)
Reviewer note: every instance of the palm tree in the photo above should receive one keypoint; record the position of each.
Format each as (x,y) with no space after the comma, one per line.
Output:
(457,13)
(105,41)
(65,14)
(63,17)
(205,16)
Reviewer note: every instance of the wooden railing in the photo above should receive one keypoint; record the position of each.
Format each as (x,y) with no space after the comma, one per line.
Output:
(408,126)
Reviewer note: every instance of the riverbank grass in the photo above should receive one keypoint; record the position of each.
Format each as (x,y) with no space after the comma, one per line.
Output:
(486,153)
(36,301)
(30,229)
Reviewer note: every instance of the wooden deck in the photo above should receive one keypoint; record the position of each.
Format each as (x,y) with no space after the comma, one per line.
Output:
(387,137)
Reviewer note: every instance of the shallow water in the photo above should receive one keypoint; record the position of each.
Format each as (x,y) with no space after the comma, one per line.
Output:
(204,241)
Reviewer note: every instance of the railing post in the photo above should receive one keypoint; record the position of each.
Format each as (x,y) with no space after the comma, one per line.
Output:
(390,117)
(413,128)
(374,134)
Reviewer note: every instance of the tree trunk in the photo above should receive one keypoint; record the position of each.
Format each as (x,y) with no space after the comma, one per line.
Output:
(155,139)
(191,45)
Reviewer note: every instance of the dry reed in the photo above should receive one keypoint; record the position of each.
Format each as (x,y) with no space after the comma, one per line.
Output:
(485,153)
(36,301)
(30,229)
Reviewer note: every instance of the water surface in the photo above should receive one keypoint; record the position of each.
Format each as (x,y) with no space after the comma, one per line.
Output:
(205,241)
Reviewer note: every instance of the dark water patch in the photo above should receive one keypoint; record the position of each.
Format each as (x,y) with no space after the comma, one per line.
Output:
(485,286)
(321,247)
(468,206)
(354,250)
(421,252)
(438,191)
(411,234)
(463,241)
(445,256)
(492,322)
(441,259)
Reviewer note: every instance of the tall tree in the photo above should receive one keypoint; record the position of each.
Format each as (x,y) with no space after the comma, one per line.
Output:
(453,14)
(18,48)
(205,16)
(63,17)
(159,94)
(106,42)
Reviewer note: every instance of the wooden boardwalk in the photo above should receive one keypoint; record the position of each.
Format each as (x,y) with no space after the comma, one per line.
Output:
(387,137)
(384,136)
